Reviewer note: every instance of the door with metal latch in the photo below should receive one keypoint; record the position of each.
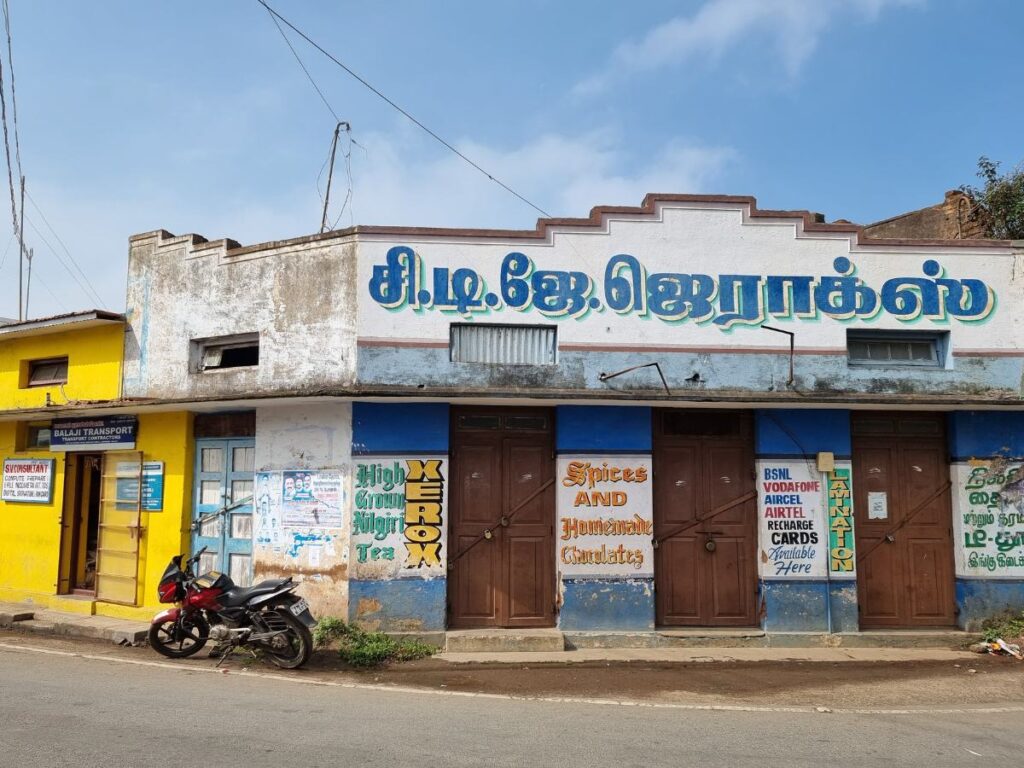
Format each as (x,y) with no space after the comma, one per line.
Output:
(222,512)
(903,520)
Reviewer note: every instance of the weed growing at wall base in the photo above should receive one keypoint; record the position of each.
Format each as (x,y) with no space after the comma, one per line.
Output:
(1008,626)
(360,648)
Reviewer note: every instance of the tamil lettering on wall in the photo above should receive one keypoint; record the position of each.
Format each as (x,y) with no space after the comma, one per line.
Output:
(399,517)
(841,553)
(793,540)
(627,286)
(604,507)
(29,481)
(988,519)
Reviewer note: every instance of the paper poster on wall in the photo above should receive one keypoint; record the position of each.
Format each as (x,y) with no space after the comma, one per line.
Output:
(605,527)
(878,505)
(311,499)
(399,517)
(988,519)
(28,481)
(267,530)
(791,503)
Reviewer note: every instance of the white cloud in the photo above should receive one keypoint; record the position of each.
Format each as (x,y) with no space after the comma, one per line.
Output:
(794,27)
(564,175)
(401,179)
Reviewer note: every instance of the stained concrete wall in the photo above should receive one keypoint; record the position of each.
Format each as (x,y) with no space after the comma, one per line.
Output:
(313,437)
(299,298)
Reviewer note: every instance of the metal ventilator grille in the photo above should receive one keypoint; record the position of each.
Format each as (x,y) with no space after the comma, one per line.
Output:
(504,344)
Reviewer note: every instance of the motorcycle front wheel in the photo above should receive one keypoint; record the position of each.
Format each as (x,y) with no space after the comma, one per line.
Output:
(291,648)
(179,639)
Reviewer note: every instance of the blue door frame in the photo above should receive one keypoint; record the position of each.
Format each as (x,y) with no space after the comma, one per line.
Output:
(222,510)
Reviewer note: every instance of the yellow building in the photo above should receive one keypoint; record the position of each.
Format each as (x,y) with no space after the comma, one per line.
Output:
(96,496)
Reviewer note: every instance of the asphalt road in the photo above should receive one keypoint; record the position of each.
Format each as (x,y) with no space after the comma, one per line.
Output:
(64,710)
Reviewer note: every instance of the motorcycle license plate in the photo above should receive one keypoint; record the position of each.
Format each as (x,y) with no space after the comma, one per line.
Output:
(298,608)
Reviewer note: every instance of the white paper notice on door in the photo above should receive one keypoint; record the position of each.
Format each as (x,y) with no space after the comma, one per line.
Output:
(878,505)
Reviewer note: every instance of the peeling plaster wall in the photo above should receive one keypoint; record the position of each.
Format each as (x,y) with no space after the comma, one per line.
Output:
(314,437)
(299,298)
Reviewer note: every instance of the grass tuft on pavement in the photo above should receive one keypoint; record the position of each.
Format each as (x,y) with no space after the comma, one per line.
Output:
(359,648)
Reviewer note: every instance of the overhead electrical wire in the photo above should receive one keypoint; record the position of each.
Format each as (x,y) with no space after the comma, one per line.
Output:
(91,292)
(7,152)
(91,295)
(14,97)
(277,16)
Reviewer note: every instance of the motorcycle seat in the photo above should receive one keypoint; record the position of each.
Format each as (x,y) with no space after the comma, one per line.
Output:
(237,596)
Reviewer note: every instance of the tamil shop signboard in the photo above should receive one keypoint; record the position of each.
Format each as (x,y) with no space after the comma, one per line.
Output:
(28,481)
(101,433)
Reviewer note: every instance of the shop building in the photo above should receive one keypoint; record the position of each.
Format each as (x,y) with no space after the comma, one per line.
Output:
(94,495)
(692,413)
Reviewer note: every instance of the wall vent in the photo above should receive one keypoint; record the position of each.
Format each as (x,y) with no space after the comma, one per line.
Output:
(504,344)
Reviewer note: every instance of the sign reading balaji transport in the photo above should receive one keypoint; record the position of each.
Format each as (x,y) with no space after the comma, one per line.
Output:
(102,433)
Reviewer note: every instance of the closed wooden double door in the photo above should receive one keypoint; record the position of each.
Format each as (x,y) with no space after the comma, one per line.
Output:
(501,518)
(705,518)
(902,520)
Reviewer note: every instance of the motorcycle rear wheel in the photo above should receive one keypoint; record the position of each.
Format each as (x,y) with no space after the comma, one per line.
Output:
(293,647)
(174,642)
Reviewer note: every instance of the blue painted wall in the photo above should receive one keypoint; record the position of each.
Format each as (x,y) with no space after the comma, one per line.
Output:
(978,599)
(597,429)
(424,371)
(982,434)
(399,605)
(609,605)
(800,606)
(796,432)
(397,428)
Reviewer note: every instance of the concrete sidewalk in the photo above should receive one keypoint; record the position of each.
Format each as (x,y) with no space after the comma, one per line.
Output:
(712,655)
(25,617)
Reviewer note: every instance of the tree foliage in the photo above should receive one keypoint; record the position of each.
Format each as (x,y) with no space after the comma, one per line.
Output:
(999,203)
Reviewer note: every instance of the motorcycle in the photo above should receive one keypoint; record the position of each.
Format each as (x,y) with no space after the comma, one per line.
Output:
(267,617)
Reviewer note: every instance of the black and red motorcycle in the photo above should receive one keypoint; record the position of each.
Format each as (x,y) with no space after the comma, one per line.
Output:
(267,617)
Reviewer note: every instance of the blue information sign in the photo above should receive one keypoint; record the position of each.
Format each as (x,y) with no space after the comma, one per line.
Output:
(100,433)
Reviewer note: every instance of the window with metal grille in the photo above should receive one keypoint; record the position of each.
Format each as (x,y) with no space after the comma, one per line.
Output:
(916,349)
(504,344)
(47,373)
(240,351)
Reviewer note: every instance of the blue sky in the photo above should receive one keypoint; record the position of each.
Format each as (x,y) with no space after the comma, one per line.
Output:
(194,117)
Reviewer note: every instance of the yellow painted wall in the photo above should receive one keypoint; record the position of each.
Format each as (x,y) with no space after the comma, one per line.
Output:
(30,533)
(94,366)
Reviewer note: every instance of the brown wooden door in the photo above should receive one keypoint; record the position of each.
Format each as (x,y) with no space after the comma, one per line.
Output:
(705,519)
(902,520)
(503,469)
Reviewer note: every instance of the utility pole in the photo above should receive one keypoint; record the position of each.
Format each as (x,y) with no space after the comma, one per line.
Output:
(28,283)
(330,174)
(21,251)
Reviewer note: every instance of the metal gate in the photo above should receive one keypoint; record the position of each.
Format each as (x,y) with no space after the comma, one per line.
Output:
(902,520)
(705,518)
(502,517)
(223,506)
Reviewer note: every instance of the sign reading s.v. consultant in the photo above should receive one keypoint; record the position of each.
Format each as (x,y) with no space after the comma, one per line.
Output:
(102,433)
